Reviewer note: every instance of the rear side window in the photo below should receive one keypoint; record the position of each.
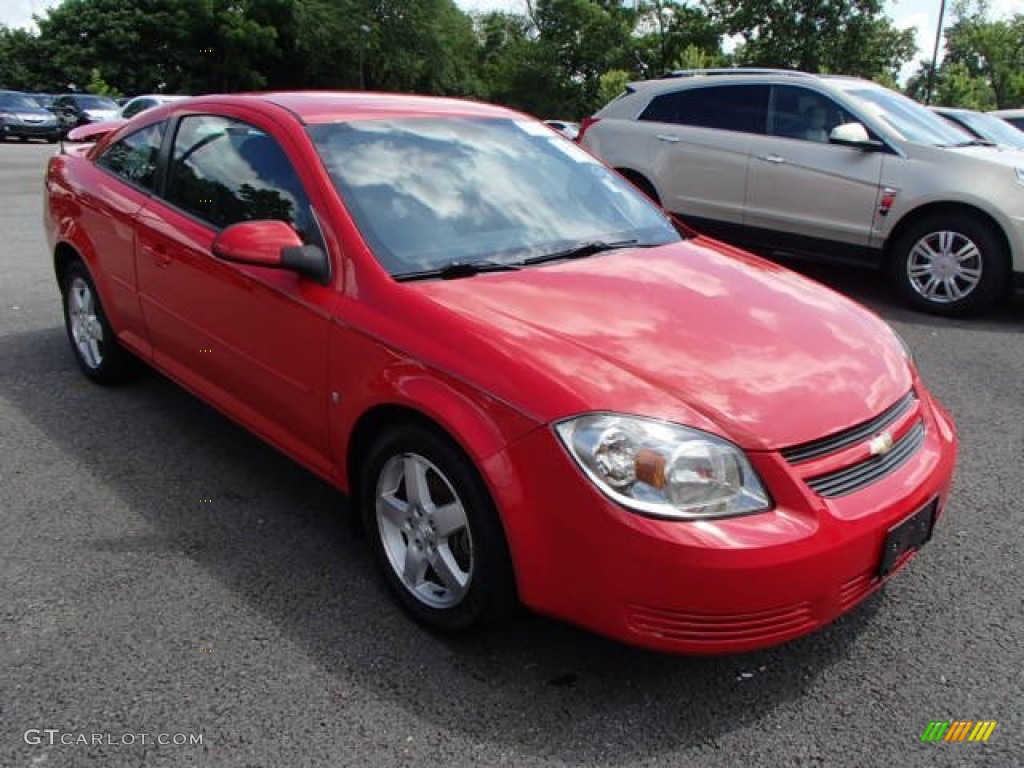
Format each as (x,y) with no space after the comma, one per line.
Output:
(727,108)
(133,158)
(225,171)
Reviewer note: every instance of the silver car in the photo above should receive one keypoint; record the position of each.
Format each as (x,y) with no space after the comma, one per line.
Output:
(21,117)
(831,168)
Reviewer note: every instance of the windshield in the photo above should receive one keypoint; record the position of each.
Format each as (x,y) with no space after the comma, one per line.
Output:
(992,128)
(96,102)
(430,192)
(17,101)
(907,118)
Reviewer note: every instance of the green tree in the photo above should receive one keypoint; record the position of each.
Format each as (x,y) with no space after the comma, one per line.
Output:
(991,51)
(20,60)
(190,46)
(983,63)
(672,34)
(407,45)
(851,37)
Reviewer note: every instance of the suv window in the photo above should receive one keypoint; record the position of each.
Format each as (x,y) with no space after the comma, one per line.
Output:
(726,107)
(140,105)
(800,113)
(225,171)
(133,158)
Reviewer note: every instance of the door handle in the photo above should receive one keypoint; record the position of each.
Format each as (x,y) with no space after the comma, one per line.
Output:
(159,254)
(668,137)
(772,158)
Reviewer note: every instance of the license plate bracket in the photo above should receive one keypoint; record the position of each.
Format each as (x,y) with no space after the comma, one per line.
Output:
(911,533)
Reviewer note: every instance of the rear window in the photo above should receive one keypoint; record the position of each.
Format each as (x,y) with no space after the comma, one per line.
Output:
(727,108)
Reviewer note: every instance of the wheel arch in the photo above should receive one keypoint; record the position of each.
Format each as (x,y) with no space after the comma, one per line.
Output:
(478,431)
(945,209)
(641,182)
(63,254)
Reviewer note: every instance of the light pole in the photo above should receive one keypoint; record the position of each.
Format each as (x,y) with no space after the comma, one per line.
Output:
(364,34)
(935,53)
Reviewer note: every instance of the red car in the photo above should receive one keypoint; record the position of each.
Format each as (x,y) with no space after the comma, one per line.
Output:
(532,386)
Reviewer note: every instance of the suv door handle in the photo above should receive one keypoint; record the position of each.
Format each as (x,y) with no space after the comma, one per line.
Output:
(668,137)
(772,158)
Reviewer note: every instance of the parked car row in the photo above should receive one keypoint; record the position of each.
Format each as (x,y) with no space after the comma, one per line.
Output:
(53,116)
(827,168)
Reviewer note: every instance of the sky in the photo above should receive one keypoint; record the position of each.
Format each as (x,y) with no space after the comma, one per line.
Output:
(921,15)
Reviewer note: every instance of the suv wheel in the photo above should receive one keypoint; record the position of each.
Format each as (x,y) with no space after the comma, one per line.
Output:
(950,264)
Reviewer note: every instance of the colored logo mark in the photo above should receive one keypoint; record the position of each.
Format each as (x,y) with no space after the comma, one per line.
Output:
(959,730)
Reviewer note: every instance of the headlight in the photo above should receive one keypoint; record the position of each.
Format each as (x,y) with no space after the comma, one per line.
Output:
(1020,174)
(661,469)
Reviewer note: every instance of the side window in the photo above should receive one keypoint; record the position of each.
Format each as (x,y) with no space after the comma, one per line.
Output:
(137,106)
(225,171)
(725,107)
(133,158)
(800,113)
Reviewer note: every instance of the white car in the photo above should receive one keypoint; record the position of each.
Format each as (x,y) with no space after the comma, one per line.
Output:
(1014,117)
(833,168)
(134,106)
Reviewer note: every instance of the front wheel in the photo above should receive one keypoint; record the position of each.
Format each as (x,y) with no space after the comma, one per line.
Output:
(434,531)
(950,265)
(93,343)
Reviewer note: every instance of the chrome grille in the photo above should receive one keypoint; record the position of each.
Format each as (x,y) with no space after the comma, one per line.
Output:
(826,445)
(853,478)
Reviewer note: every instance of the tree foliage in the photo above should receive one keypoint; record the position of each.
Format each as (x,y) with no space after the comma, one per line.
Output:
(983,63)
(850,37)
(557,58)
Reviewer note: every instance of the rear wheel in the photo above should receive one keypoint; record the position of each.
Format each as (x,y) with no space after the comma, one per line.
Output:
(93,343)
(434,531)
(950,264)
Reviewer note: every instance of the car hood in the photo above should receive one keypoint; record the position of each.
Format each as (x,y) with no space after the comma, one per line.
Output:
(1000,155)
(693,332)
(32,115)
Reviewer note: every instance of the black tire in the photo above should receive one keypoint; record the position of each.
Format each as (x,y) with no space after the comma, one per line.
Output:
(479,548)
(106,361)
(935,288)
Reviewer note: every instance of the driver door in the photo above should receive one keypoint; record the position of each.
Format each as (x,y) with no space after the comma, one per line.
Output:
(253,340)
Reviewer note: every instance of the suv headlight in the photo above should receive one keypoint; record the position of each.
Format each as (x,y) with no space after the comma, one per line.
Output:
(662,469)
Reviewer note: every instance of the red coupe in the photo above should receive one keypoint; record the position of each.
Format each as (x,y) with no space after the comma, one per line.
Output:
(532,386)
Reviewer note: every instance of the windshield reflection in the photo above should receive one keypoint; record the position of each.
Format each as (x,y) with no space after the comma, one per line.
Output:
(907,118)
(430,192)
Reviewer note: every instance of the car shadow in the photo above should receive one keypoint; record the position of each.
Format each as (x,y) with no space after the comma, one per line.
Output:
(279,539)
(875,290)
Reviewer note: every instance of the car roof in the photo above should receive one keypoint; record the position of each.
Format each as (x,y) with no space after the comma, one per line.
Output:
(738,76)
(331,106)
(1008,112)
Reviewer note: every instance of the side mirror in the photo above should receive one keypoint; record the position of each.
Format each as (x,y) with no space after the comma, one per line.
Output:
(271,244)
(853,135)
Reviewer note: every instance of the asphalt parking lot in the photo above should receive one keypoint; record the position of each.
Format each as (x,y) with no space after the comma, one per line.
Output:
(163,573)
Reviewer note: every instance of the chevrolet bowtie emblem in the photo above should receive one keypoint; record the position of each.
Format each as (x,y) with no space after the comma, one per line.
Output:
(880,444)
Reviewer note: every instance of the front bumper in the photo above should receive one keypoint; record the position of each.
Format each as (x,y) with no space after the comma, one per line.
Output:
(707,586)
(30,130)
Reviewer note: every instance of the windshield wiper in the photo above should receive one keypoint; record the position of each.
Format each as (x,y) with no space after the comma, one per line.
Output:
(582,250)
(974,143)
(457,269)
